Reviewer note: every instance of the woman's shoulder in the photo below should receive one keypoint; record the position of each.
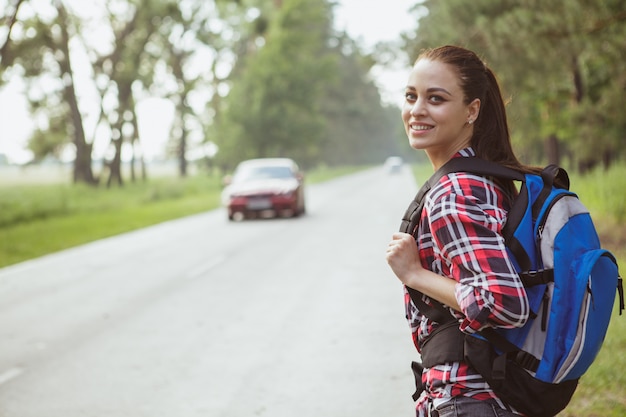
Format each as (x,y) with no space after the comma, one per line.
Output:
(468,189)
(464,184)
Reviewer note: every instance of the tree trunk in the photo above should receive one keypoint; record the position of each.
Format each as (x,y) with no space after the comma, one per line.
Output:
(551,147)
(115,165)
(125,100)
(82,164)
(182,150)
(577,79)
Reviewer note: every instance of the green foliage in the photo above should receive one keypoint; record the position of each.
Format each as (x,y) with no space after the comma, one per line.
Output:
(306,94)
(276,105)
(359,129)
(21,204)
(600,191)
(558,61)
(275,77)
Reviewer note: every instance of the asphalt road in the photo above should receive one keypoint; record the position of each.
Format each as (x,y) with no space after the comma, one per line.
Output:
(205,317)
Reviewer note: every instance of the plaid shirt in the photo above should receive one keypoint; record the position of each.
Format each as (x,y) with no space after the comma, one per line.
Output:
(460,237)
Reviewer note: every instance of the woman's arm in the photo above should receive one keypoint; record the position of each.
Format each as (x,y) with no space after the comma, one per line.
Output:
(466,230)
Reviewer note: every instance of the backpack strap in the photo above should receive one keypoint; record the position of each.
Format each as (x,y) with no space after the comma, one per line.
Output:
(552,176)
(620,291)
(435,311)
(508,351)
(472,164)
(410,221)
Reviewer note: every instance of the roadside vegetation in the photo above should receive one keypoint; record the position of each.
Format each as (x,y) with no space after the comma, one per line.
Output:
(602,390)
(36,220)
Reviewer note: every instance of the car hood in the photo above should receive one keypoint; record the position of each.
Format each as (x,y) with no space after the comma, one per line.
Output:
(262,186)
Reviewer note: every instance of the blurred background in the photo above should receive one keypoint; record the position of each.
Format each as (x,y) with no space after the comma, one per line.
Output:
(116,115)
(100,84)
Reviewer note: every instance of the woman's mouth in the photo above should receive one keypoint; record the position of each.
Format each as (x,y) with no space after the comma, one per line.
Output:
(420,126)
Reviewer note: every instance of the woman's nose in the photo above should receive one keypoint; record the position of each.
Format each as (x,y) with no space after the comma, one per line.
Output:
(417,108)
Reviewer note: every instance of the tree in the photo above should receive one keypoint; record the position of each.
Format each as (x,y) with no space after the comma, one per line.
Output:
(43,54)
(307,94)
(360,129)
(218,34)
(274,108)
(127,68)
(275,77)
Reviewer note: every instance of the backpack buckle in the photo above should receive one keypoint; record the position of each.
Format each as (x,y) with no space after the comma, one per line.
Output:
(527,361)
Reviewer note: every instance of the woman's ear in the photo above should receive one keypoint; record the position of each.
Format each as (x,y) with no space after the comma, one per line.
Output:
(473,109)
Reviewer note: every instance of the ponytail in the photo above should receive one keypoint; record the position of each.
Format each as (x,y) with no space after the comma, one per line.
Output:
(491,139)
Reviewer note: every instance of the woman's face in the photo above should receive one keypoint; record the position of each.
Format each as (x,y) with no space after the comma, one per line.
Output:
(436,118)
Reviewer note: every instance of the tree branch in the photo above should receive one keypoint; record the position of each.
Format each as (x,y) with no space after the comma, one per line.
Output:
(4,50)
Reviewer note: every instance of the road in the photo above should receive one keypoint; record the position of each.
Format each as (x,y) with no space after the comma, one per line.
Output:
(205,317)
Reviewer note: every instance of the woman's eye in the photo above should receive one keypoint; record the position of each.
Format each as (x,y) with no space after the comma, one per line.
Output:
(410,97)
(436,99)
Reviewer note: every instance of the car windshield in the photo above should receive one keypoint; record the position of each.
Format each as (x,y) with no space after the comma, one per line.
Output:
(263,172)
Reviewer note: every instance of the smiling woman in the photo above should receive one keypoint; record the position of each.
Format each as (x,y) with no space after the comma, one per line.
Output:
(454,254)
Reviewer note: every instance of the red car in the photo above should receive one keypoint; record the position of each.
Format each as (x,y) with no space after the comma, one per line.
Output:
(265,187)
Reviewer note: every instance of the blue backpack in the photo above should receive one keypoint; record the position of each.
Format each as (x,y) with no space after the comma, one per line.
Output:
(571,283)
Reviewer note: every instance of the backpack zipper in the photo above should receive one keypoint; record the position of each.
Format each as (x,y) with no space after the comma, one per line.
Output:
(541,223)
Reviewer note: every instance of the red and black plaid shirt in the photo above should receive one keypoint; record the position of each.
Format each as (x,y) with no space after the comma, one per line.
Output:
(460,237)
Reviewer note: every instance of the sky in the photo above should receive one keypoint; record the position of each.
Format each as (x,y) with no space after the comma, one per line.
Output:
(373,21)
(367,21)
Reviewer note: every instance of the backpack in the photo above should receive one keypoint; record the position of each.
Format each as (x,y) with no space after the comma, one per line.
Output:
(570,282)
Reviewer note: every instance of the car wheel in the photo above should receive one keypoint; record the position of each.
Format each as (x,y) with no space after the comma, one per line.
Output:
(237,216)
(300,211)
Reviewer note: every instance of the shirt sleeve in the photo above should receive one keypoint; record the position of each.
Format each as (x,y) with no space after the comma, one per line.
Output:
(466,231)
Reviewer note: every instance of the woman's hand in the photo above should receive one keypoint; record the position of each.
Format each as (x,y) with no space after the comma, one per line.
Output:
(403,257)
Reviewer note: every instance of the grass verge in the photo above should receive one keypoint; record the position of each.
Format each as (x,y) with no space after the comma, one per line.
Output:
(36,220)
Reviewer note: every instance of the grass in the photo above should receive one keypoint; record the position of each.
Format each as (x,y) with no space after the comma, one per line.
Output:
(38,219)
(602,390)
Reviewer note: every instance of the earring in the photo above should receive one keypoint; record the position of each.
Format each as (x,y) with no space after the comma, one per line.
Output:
(470,121)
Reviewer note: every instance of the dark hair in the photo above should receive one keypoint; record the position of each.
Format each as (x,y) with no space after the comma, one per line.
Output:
(491,139)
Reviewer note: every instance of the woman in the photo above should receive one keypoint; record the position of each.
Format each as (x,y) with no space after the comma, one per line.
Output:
(453,108)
